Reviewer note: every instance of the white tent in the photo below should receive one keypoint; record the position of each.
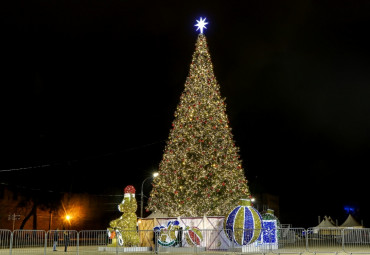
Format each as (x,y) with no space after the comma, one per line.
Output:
(350,222)
(215,239)
(326,223)
(157,214)
(332,221)
(326,227)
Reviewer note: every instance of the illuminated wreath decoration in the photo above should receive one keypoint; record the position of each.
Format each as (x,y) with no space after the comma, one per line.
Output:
(167,235)
(193,235)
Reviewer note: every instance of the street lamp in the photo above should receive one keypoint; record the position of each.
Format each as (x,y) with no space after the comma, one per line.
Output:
(68,217)
(142,195)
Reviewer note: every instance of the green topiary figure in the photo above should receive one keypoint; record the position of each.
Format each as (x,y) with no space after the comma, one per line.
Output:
(124,228)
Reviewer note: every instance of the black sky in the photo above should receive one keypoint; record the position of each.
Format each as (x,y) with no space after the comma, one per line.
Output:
(89,89)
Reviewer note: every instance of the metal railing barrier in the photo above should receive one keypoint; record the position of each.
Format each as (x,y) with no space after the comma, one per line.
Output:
(62,240)
(324,240)
(289,240)
(28,242)
(356,240)
(5,239)
(188,241)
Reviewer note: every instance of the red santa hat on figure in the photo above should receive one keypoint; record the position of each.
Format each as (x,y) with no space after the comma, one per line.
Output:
(129,191)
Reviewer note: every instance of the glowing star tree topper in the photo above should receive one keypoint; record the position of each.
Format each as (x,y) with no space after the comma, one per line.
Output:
(201,24)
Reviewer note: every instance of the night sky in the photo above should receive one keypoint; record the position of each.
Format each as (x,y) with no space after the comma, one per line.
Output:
(89,89)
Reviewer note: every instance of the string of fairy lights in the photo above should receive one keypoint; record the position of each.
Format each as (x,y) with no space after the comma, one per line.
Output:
(200,172)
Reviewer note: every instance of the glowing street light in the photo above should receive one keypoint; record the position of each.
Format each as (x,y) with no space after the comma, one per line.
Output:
(142,194)
(67,219)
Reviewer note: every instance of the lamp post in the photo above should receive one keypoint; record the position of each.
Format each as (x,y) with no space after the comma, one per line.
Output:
(142,194)
(14,217)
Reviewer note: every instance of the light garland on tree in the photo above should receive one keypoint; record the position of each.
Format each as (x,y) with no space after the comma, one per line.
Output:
(201,172)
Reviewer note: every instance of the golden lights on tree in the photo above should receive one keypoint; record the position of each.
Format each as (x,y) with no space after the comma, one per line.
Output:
(200,172)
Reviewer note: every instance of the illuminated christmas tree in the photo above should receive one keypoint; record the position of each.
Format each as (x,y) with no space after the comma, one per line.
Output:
(201,172)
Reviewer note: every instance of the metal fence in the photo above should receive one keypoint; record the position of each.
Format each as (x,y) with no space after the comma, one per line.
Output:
(58,240)
(275,241)
(5,237)
(290,240)
(356,240)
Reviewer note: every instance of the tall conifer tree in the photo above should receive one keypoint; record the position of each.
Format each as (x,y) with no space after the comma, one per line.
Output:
(201,172)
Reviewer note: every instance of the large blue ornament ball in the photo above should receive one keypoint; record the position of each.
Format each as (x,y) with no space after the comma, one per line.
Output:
(243,225)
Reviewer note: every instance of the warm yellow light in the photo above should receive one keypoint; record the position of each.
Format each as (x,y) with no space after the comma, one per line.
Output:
(155,174)
(68,217)
(201,171)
